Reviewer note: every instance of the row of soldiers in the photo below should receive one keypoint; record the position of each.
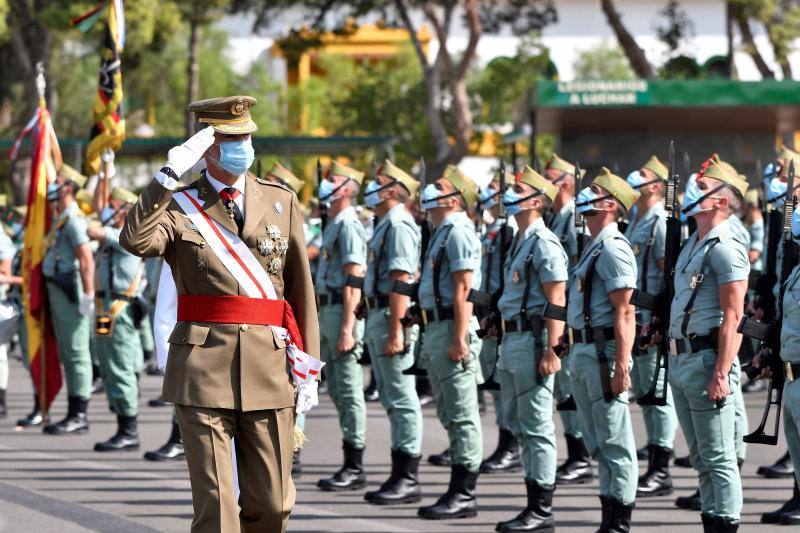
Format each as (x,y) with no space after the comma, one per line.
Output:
(559,329)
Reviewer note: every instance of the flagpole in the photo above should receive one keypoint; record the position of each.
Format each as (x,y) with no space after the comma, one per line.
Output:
(40,87)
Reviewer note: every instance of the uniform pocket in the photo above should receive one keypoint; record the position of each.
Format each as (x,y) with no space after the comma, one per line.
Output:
(186,333)
(193,248)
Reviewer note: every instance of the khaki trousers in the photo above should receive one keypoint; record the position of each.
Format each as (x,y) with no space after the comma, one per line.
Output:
(264,445)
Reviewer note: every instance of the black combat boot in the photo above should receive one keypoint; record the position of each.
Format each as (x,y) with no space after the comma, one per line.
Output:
(656,481)
(576,469)
(605,517)
(297,464)
(126,438)
(643,453)
(460,500)
(683,462)
(619,520)
(351,476)
(402,485)
(172,450)
(34,418)
(725,525)
(783,468)
(709,524)
(691,502)
(440,459)
(76,420)
(538,515)
(791,507)
(3,408)
(506,457)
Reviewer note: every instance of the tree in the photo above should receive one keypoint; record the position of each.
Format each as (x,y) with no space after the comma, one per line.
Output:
(781,21)
(641,66)
(445,79)
(605,62)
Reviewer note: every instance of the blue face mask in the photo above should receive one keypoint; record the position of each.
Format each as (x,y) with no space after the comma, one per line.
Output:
(693,195)
(512,201)
(236,156)
(52,191)
(586,200)
(371,197)
(796,225)
(327,191)
(486,198)
(776,190)
(16,229)
(106,214)
(431,196)
(635,179)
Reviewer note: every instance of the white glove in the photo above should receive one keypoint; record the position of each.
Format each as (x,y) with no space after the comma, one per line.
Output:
(183,157)
(307,397)
(108,163)
(86,305)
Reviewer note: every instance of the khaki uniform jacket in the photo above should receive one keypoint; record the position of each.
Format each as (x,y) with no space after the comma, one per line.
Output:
(230,366)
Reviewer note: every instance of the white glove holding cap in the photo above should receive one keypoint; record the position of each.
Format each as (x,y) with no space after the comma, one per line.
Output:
(86,305)
(184,157)
(307,397)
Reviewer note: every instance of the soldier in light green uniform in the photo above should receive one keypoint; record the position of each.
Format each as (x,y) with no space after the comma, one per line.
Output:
(710,284)
(506,457)
(394,255)
(116,336)
(535,271)
(561,221)
(344,253)
(7,252)
(450,345)
(647,235)
(68,269)
(603,327)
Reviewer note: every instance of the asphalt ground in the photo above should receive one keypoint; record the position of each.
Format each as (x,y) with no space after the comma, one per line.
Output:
(59,484)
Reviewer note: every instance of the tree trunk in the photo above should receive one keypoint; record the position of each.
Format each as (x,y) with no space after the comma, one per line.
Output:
(641,66)
(192,72)
(458,86)
(749,42)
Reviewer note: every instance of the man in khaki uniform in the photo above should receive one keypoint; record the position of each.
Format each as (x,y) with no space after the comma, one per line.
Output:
(227,371)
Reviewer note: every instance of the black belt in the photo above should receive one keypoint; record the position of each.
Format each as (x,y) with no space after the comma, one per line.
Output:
(694,345)
(792,371)
(519,325)
(437,315)
(377,302)
(114,296)
(585,335)
(333,298)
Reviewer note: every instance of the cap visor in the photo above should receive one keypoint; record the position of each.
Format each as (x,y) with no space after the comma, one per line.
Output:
(235,129)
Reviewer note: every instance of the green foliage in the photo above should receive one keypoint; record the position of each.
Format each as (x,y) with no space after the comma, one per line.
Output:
(677,28)
(605,62)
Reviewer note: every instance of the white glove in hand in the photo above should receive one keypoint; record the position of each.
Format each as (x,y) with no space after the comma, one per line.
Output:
(307,397)
(86,305)
(183,157)
(108,170)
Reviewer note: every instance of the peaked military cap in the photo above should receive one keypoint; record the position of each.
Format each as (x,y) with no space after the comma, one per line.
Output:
(722,171)
(286,176)
(73,175)
(229,115)
(658,168)
(556,163)
(468,189)
(123,195)
(338,169)
(391,170)
(538,182)
(617,187)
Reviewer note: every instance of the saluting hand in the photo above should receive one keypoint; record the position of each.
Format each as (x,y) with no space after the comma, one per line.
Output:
(620,381)
(182,158)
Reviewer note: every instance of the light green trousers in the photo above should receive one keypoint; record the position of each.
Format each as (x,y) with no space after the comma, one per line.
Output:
(528,404)
(119,355)
(455,389)
(791,424)
(607,425)
(398,393)
(73,332)
(563,390)
(710,432)
(344,374)
(660,421)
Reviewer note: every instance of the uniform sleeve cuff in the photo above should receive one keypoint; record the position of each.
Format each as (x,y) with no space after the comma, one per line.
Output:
(167,178)
(622,282)
(722,279)
(464,264)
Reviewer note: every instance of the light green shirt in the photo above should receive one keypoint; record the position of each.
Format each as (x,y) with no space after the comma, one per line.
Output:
(394,246)
(60,257)
(116,267)
(615,269)
(343,242)
(462,251)
(727,262)
(648,241)
(540,248)
(790,330)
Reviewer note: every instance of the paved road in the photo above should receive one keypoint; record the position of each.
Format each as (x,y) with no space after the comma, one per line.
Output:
(58,484)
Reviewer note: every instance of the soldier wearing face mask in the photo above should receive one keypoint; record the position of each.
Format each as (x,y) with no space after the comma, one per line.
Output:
(116,338)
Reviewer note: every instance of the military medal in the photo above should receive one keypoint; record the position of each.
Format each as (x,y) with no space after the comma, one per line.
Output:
(282,245)
(275,265)
(202,263)
(265,247)
(278,207)
(273,231)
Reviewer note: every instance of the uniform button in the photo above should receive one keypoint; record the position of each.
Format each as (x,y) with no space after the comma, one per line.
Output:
(185,339)
(244,327)
(155,206)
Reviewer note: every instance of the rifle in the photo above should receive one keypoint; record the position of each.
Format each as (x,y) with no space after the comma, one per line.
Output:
(580,223)
(659,305)
(323,211)
(412,289)
(770,333)
(764,298)
(493,316)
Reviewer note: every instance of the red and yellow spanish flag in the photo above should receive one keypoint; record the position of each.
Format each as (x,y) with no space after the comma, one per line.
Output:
(109,123)
(42,349)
